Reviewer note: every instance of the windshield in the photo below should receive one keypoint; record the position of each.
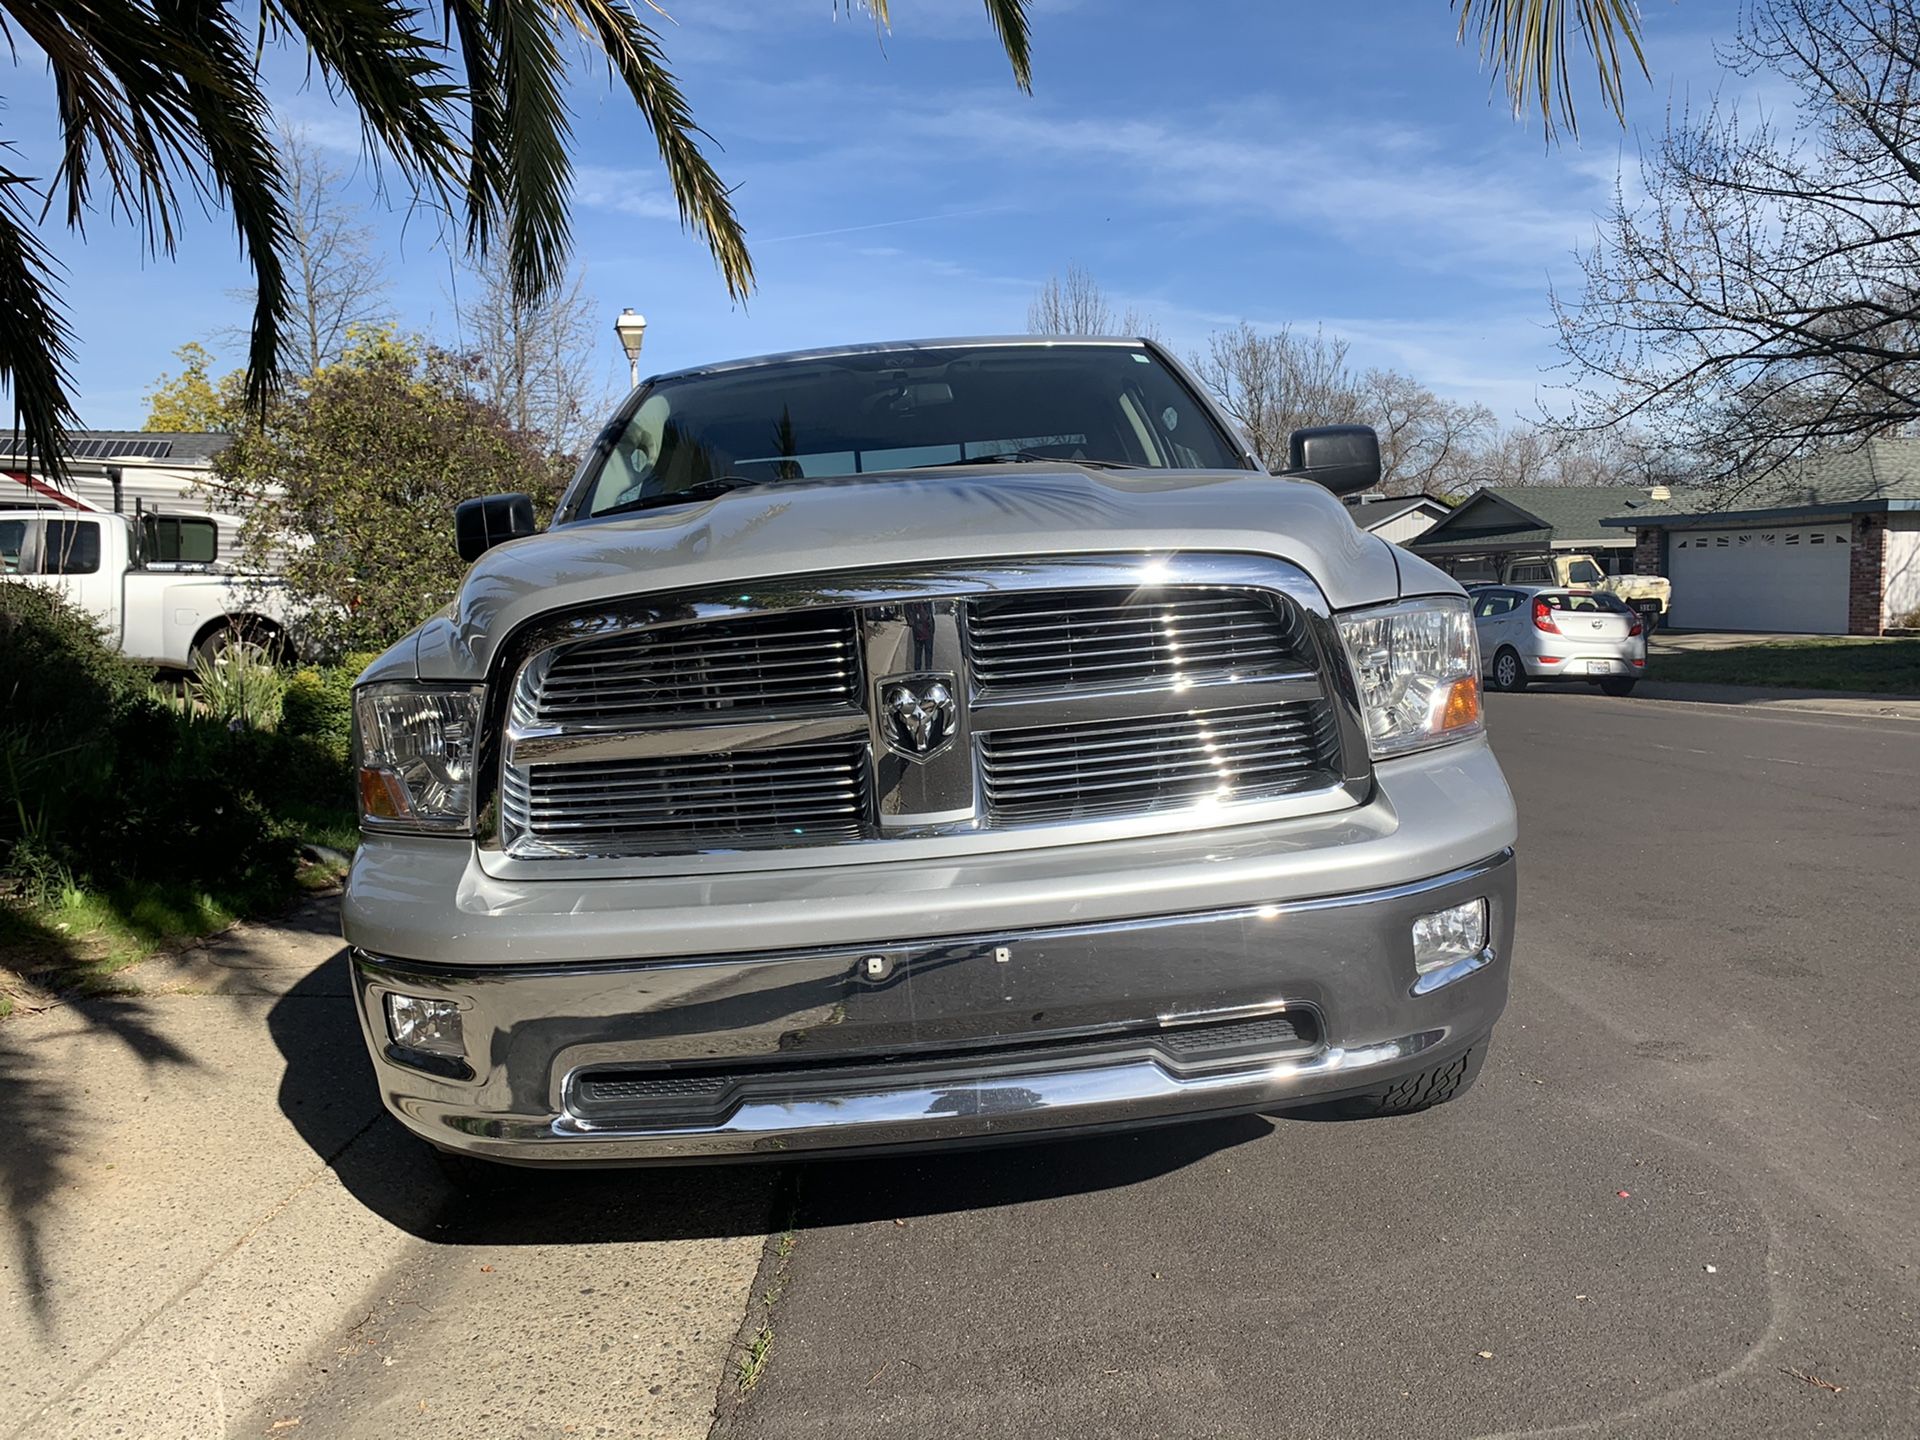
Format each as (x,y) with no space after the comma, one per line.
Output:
(899,410)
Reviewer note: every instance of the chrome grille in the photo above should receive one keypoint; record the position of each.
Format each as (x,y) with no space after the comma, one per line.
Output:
(1112,689)
(799,794)
(779,663)
(1056,772)
(1063,639)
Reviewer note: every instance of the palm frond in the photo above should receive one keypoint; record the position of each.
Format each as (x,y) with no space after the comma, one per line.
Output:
(234,125)
(1528,41)
(539,170)
(132,89)
(486,121)
(706,206)
(36,345)
(395,76)
(1009,19)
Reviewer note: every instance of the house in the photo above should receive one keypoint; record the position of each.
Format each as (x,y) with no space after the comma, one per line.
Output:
(1398,518)
(1502,522)
(1825,546)
(121,470)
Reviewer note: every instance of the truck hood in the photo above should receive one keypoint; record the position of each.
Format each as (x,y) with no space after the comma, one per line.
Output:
(915,517)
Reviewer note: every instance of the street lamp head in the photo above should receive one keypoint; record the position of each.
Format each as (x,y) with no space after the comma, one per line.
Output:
(632,329)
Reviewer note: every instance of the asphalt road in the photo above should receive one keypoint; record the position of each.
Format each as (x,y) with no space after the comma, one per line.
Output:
(1714,1012)
(1681,1200)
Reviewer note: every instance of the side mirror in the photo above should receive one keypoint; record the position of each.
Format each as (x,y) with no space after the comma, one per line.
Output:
(479,525)
(1344,458)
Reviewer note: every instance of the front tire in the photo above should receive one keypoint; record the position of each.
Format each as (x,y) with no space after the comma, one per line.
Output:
(1509,673)
(1446,1081)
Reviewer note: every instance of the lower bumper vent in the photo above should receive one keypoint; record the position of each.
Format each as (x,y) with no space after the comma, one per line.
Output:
(695,1093)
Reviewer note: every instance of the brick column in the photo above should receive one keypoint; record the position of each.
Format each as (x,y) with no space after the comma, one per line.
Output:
(1867,576)
(1649,552)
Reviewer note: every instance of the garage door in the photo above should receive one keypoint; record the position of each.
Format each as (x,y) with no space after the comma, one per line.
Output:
(1760,579)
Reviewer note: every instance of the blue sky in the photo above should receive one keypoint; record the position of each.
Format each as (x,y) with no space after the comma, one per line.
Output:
(1268,160)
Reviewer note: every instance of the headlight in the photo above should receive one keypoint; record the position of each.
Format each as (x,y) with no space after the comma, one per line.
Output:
(1417,664)
(415,746)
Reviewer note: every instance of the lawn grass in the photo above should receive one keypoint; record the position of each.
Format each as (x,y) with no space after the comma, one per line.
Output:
(1879,666)
(76,940)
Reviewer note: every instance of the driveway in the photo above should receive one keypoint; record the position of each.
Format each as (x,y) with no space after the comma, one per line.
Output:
(1681,1200)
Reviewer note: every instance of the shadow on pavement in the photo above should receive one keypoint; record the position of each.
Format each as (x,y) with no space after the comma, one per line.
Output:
(40,1116)
(328,1093)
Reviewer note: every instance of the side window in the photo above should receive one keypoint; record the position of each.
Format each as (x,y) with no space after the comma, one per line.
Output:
(13,544)
(1496,601)
(1528,575)
(181,540)
(70,547)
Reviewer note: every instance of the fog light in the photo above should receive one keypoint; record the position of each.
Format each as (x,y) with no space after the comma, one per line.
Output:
(431,1027)
(1448,936)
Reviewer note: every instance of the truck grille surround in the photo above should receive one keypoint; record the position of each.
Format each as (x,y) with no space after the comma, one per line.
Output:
(927,711)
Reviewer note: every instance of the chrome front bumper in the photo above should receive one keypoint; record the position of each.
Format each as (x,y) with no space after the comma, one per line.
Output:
(929,1041)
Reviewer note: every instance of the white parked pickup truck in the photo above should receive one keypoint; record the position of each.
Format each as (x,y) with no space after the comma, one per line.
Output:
(151,580)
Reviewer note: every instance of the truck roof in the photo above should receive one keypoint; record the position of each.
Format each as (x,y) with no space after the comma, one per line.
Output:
(880,347)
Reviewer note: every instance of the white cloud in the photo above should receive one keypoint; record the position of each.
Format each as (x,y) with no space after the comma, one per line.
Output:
(1390,189)
(624,192)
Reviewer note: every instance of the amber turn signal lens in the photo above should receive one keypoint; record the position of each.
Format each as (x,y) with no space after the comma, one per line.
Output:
(1463,705)
(382,795)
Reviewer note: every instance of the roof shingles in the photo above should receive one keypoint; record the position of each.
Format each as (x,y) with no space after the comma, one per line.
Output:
(1878,472)
(1566,514)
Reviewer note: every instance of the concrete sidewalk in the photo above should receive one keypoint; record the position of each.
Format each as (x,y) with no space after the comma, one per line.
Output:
(205,1199)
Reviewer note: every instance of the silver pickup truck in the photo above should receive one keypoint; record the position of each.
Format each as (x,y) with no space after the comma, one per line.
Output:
(908,744)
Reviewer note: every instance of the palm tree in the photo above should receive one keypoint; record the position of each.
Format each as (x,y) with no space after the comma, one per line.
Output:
(1525,41)
(161,105)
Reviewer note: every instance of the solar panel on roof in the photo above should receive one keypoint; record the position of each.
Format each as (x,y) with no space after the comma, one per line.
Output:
(98,449)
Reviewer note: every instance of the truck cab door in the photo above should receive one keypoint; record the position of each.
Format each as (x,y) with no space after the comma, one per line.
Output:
(74,559)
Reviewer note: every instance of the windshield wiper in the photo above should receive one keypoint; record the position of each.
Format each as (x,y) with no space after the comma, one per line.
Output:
(1030,457)
(700,490)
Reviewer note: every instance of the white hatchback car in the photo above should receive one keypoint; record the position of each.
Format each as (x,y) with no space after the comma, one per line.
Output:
(1544,632)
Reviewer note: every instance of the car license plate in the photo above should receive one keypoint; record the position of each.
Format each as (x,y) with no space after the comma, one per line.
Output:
(1599,667)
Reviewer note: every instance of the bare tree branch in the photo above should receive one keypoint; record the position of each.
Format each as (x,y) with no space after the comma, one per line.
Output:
(1760,299)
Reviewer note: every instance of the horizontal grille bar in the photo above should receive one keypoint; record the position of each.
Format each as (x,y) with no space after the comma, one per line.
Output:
(1065,771)
(1061,639)
(786,663)
(799,794)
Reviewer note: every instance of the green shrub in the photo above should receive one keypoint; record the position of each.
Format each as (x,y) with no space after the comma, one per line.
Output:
(316,726)
(241,690)
(108,786)
(318,706)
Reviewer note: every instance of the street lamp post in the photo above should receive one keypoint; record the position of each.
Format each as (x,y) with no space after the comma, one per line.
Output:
(632,329)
